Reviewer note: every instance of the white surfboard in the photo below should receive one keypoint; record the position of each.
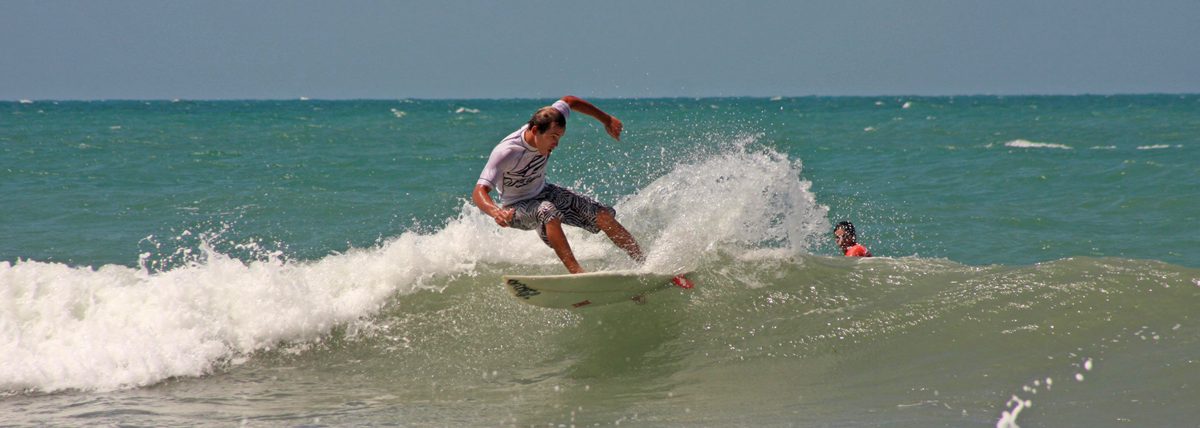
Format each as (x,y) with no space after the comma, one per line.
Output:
(588,289)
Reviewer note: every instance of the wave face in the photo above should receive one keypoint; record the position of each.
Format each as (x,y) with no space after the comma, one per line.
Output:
(789,339)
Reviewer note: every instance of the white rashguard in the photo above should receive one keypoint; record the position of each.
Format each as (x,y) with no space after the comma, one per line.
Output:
(515,168)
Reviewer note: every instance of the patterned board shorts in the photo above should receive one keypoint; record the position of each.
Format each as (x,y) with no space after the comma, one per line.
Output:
(557,202)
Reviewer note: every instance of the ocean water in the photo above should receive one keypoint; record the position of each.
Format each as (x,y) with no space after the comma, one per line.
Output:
(313,263)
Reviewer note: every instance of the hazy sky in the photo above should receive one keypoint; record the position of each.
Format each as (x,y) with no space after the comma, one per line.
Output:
(521,49)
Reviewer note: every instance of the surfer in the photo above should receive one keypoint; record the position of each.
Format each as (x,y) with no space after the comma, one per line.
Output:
(844,233)
(517,170)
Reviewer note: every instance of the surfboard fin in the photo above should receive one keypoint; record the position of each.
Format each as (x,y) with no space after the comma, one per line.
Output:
(682,282)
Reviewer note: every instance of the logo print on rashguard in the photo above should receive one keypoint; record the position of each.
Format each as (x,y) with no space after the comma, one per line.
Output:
(526,175)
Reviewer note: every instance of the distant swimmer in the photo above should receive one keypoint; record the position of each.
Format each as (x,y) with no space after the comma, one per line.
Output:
(846,240)
(517,169)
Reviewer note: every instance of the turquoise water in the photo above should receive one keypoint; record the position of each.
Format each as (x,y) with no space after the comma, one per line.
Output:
(317,262)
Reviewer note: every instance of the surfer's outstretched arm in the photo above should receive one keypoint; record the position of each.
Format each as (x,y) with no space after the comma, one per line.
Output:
(611,124)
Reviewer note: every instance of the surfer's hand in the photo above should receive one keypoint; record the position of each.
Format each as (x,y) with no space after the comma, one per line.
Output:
(614,126)
(504,217)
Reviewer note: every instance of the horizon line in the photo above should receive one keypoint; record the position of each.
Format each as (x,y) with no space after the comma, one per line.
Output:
(772,97)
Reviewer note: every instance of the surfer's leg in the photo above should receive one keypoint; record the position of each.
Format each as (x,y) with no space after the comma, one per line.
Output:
(543,216)
(588,214)
(552,234)
(619,235)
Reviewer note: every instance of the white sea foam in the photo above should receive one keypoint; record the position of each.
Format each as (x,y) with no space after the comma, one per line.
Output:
(70,327)
(65,327)
(1154,147)
(1025,144)
(1008,418)
(115,326)
(741,198)
(462,110)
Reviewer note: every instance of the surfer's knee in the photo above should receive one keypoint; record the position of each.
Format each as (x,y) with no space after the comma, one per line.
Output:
(554,222)
(606,217)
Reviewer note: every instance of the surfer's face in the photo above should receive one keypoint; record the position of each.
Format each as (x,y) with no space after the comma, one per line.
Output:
(547,140)
(843,238)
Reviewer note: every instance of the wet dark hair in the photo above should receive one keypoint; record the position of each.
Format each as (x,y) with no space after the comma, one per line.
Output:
(545,116)
(846,226)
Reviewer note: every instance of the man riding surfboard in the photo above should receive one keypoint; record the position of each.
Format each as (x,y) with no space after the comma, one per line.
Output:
(516,169)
